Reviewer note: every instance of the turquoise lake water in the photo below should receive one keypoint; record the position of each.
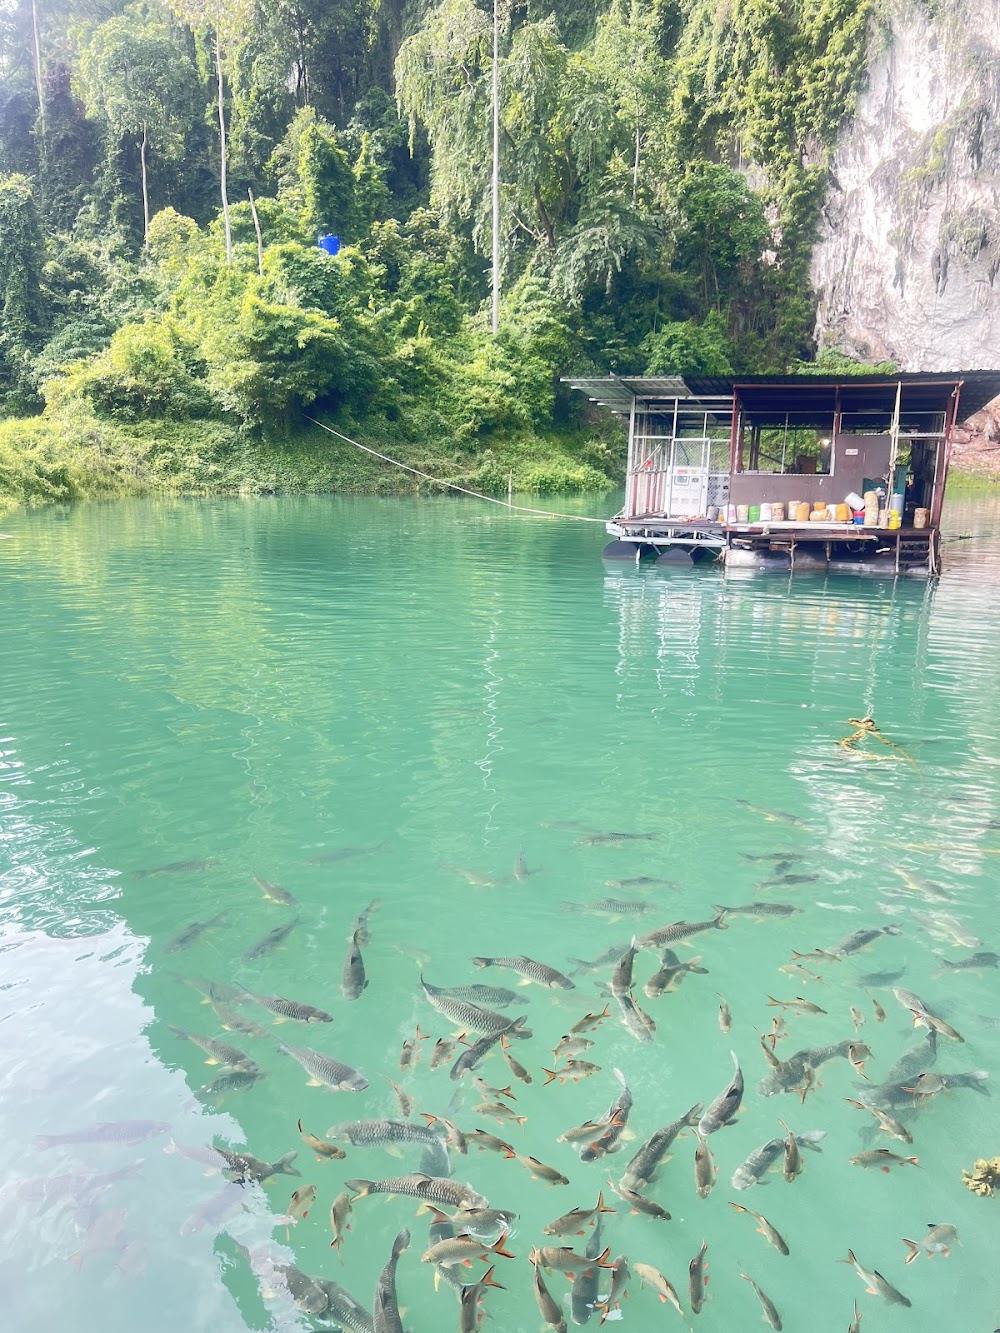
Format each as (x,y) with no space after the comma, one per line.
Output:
(437,688)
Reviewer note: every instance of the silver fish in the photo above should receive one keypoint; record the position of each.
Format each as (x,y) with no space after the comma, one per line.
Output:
(499,996)
(614,839)
(301,1013)
(352,979)
(635,1019)
(612,907)
(705,1171)
(243,1166)
(758,909)
(771,1315)
(548,1306)
(639,1203)
(218,1052)
(473,1056)
(858,939)
(234,1022)
(749,1172)
(269,942)
(584,1294)
(641,1170)
(696,1279)
(875,1283)
(429,1189)
(326,1071)
(671,973)
(384,1133)
(721,1111)
(177,868)
(975,962)
(186,937)
(939,1240)
(275,893)
(576,1221)
(770,1233)
(385,1308)
(531,970)
(678,930)
(621,977)
(125,1133)
(616,1122)
(346,854)
(469,1017)
(790,1073)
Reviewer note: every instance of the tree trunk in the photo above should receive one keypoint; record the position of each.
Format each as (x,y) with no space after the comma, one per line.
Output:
(495,275)
(39,86)
(256,227)
(145,187)
(223,151)
(545,220)
(635,165)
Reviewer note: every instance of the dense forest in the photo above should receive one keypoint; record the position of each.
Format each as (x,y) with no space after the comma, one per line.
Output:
(167,171)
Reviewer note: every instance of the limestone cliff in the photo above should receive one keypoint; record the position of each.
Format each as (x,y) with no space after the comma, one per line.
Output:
(909,246)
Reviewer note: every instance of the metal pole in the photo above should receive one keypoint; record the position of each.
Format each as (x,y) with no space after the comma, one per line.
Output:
(894,451)
(496,166)
(510,488)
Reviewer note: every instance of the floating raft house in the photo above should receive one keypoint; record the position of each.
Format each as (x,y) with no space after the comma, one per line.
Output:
(788,472)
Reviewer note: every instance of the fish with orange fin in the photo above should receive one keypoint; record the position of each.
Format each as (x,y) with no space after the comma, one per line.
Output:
(572,1070)
(698,1279)
(939,1240)
(564,1259)
(652,1277)
(539,1171)
(764,1227)
(576,1221)
(462,1249)
(882,1159)
(410,1054)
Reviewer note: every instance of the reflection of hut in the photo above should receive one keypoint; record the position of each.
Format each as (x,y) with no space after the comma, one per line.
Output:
(788,471)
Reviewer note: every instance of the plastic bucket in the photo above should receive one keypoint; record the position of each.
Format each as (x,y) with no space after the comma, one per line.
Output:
(742,514)
(854,500)
(766,513)
(921,518)
(802,511)
(753,514)
(778,511)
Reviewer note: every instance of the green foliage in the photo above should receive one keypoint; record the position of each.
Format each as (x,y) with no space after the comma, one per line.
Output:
(832,362)
(147,372)
(689,348)
(662,166)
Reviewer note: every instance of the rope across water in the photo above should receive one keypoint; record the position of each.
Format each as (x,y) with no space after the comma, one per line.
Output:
(452,485)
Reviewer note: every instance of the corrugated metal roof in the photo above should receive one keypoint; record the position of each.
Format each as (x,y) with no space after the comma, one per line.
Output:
(773,395)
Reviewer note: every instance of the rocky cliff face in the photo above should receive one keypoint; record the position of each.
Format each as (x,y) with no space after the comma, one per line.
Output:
(906,268)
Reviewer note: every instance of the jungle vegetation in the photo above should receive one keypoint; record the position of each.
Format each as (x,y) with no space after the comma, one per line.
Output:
(168,318)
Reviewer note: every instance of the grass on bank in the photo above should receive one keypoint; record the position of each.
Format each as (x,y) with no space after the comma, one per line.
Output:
(79,456)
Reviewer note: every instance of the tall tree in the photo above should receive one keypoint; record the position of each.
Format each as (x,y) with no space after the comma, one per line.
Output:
(229,22)
(136,75)
(22,254)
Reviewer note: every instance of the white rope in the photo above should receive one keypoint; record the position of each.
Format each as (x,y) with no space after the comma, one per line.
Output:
(478,495)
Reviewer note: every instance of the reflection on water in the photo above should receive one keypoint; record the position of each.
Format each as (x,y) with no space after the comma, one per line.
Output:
(436,707)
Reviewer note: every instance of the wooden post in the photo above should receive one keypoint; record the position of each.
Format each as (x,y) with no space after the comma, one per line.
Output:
(256,227)
(510,488)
